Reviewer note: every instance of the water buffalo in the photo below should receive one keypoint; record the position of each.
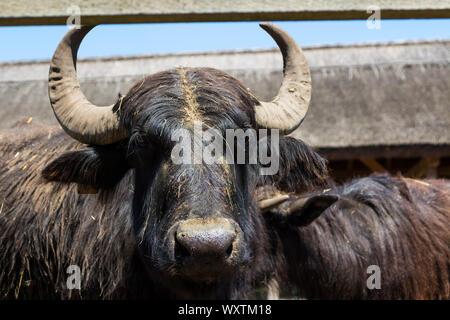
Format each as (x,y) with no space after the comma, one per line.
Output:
(142,226)
(379,237)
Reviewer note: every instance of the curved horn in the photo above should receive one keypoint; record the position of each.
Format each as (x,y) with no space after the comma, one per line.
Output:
(267,204)
(78,117)
(287,110)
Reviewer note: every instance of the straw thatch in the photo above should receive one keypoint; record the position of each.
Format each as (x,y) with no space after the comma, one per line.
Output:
(391,99)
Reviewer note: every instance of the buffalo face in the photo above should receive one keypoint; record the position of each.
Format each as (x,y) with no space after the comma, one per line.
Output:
(198,230)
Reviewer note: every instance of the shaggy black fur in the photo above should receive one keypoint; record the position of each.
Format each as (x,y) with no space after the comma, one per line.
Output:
(398,224)
(120,236)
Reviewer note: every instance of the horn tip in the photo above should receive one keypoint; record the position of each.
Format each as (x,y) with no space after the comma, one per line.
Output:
(266,25)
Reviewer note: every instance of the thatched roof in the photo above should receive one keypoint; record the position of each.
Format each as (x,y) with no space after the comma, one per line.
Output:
(390,99)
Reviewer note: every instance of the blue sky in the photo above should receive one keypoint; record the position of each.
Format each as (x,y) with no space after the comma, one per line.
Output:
(39,42)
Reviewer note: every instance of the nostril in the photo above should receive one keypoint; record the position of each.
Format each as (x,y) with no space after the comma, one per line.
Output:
(229,251)
(181,252)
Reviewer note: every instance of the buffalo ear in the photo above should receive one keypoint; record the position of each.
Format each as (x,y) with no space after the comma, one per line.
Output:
(304,211)
(92,168)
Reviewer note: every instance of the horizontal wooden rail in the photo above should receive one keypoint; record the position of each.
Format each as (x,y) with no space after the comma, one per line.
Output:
(54,12)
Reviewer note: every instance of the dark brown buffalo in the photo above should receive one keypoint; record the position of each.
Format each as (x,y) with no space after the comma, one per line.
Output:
(155,228)
(331,237)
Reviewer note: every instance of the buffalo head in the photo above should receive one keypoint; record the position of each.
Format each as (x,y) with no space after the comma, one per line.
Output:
(197,226)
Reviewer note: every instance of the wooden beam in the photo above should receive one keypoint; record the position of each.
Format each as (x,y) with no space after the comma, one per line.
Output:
(424,168)
(373,165)
(389,151)
(46,12)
